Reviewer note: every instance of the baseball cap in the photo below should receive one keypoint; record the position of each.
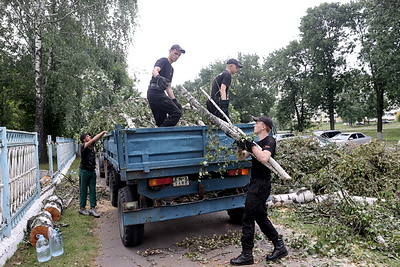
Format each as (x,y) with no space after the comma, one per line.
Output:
(83,136)
(177,47)
(265,120)
(234,61)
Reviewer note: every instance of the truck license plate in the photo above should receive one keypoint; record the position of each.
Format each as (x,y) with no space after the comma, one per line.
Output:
(180,181)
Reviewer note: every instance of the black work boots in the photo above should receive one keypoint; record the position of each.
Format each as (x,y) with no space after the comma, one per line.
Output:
(245,258)
(279,250)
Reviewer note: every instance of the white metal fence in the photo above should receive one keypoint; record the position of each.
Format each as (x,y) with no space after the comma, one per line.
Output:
(19,170)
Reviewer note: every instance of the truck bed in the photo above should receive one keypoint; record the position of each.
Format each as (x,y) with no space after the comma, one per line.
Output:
(157,152)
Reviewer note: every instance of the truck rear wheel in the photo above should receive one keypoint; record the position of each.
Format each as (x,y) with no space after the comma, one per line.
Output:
(131,235)
(236,215)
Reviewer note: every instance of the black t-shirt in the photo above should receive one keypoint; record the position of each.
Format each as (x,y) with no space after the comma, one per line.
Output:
(259,170)
(167,71)
(223,78)
(88,158)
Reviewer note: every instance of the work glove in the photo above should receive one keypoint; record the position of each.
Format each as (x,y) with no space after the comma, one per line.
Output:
(224,107)
(161,82)
(177,103)
(245,145)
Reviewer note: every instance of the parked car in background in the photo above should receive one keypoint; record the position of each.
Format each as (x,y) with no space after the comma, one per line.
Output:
(386,122)
(354,138)
(280,136)
(321,141)
(327,133)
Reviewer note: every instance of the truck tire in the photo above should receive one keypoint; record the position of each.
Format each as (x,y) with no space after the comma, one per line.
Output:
(114,184)
(236,215)
(131,235)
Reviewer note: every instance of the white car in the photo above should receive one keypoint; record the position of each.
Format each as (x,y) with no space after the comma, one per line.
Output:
(327,133)
(354,138)
(280,136)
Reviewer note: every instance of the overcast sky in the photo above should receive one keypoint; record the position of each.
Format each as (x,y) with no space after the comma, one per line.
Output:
(211,30)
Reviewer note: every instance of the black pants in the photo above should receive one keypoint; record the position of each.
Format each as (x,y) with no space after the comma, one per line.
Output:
(213,110)
(255,210)
(165,112)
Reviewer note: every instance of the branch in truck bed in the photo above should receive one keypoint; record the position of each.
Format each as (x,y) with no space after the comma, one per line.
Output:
(231,130)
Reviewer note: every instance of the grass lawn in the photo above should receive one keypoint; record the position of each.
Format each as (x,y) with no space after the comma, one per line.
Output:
(80,243)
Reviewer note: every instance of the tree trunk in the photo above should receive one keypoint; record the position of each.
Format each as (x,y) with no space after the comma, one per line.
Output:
(304,196)
(379,108)
(39,89)
(39,225)
(231,130)
(54,205)
(301,196)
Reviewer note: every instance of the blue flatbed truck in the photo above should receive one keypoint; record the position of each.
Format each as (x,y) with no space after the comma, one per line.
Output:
(154,175)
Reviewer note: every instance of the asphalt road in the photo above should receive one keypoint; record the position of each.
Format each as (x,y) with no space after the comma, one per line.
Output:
(159,237)
(159,245)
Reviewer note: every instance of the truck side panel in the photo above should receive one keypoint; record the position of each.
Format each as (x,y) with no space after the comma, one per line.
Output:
(157,152)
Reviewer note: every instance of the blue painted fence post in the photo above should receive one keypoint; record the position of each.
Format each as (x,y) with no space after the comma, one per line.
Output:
(58,154)
(50,152)
(37,165)
(4,181)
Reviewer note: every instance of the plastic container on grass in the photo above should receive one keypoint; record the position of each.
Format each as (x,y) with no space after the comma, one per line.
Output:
(56,243)
(43,249)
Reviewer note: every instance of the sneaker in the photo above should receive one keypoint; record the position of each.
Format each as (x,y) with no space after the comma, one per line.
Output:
(83,211)
(94,213)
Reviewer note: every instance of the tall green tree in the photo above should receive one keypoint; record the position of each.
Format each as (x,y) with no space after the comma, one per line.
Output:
(251,94)
(376,24)
(44,29)
(357,99)
(323,35)
(289,70)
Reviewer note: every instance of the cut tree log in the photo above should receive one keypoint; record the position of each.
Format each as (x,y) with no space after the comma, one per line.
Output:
(39,225)
(231,130)
(343,194)
(301,196)
(304,195)
(55,206)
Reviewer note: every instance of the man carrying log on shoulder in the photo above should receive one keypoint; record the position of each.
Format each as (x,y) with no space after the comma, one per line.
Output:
(259,190)
(87,174)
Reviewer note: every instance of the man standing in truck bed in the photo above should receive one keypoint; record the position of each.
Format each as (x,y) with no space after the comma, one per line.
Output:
(220,89)
(166,109)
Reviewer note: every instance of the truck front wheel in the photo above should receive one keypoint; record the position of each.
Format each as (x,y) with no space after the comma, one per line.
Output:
(131,235)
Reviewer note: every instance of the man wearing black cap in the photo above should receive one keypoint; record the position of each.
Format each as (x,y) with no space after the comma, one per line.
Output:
(87,174)
(219,90)
(258,192)
(166,109)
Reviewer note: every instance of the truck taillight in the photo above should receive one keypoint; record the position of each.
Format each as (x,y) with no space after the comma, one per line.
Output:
(160,181)
(237,172)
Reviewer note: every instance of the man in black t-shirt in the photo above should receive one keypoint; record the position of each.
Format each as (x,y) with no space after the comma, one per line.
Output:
(87,174)
(166,109)
(258,192)
(220,89)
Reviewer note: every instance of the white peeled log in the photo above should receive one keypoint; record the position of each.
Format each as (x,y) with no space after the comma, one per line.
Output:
(128,120)
(304,195)
(231,130)
(301,196)
(342,194)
